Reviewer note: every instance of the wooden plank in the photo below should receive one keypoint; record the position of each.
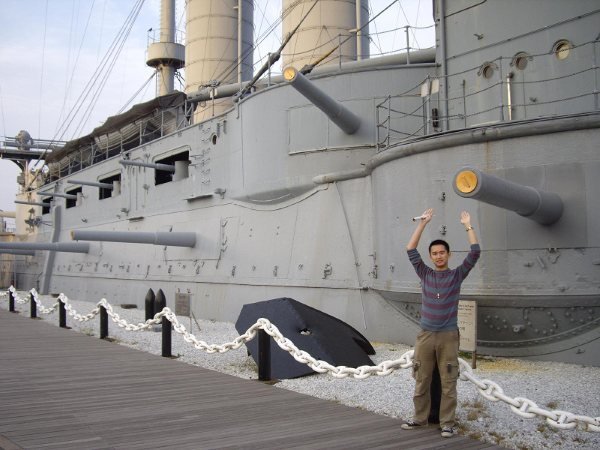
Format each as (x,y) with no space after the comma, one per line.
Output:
(62,389)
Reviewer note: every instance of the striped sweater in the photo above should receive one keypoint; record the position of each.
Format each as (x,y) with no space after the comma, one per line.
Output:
(439,312)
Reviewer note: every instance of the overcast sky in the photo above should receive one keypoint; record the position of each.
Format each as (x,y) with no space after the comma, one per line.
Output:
(51,48)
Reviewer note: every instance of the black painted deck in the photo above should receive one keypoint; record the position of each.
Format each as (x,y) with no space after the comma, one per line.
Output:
(64,390)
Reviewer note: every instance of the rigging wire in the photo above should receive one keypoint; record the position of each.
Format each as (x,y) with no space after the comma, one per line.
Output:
(70,79)
(42,71)
(407,21)
(107,73)
(93,81)
(2,111)
(227,71)
(132,98)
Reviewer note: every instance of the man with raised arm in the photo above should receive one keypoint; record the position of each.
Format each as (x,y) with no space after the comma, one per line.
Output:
(438,339)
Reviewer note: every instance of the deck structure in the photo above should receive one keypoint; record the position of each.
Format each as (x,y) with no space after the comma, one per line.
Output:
(64,390)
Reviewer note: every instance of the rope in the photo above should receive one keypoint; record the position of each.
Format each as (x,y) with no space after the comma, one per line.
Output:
(490,390)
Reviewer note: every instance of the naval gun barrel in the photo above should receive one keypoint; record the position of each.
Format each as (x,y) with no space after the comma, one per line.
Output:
(92,183)
(18,252)
(338,113)
(543,207)
(69,247)
(58,194)
(175,239)
(19,202)
(156,166)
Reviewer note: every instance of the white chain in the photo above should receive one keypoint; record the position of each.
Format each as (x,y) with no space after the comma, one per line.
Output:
(490,390)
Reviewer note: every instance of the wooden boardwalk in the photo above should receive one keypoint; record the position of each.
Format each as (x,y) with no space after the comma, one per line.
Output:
(64,390)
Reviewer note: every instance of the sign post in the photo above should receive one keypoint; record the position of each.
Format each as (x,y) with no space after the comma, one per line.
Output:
(467,326)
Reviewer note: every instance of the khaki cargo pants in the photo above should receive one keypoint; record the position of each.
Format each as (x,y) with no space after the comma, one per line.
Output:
(432,346)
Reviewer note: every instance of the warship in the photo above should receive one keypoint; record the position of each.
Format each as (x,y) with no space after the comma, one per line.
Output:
(252,186)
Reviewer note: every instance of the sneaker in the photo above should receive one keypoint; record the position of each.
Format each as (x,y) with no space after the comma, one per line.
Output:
(448,432)
(411,425)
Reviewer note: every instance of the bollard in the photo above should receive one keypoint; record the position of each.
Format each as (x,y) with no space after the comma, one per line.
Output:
(149,305)
(166,337)
(264,356)
(159,302)
(11,302)
(32,306)
(435,392)
(103,323)
(62,314)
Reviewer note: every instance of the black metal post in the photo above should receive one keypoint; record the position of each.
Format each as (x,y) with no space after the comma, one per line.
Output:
(149,304)
(435,392)
(264,356)
(11,302)
(160,301)
(166,337)
(62,315)
(103,323)
(32,306)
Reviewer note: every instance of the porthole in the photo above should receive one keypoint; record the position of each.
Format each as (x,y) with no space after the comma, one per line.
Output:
(213,139)
(562,49)
(520,60)
(487,70)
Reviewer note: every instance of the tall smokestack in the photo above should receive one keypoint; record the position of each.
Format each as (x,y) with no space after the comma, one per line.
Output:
(219,38)
(330,23)
(166,55)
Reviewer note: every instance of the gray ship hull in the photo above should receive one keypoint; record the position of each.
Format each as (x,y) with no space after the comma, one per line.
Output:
(285,202)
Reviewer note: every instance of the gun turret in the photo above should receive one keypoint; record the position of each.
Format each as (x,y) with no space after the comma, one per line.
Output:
(69,247)
(338,113)
(176,239)
(540,206)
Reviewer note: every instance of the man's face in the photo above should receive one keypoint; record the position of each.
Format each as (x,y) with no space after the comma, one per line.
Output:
(439,256)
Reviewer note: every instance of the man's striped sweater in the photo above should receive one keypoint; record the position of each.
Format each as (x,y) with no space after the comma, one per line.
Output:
(440,312)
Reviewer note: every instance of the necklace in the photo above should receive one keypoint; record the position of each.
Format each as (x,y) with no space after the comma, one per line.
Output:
(435,283)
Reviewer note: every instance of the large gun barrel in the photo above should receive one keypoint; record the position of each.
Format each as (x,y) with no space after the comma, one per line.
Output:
(69,247)
(338,113)
(92,183)
(57,194)
(17,252)
(156,166)
(540,206)
(176,239)
(19,202)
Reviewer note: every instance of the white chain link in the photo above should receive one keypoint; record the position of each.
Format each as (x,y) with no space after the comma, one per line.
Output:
(488,389)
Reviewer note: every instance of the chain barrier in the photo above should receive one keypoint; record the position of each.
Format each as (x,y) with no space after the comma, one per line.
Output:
(490,390)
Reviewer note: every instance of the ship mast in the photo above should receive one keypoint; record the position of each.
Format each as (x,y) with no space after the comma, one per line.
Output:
(166,55)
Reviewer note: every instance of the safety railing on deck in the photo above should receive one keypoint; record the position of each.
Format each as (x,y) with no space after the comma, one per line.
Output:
(562,420)
(521,87)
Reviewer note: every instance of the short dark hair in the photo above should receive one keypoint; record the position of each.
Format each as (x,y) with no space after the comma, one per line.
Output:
(439,242)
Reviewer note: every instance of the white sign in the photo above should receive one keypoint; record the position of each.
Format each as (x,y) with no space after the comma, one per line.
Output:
(467,325)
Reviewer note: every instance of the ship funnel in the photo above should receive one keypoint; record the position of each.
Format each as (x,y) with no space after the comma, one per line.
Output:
(334,32)
(542,207)
(218,49)
(166,56)
(338,113)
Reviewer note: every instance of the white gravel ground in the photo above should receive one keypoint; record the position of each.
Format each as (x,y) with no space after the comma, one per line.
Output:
(552,386)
